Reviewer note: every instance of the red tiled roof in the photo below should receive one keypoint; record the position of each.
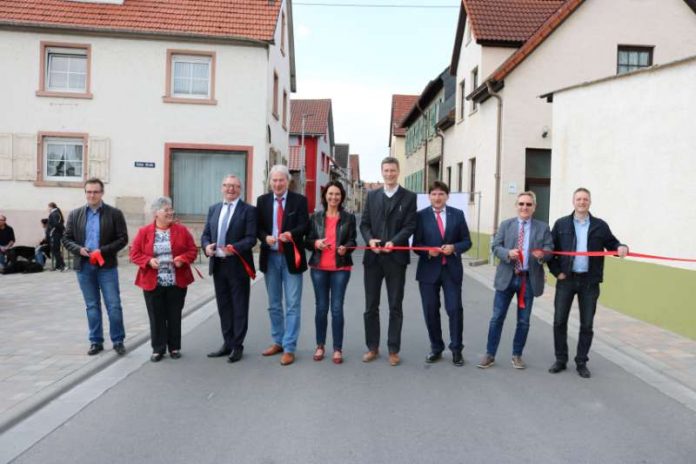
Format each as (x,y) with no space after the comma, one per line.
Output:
(245,19)
(318,113)
(508,20)
(354,167)
(401,106)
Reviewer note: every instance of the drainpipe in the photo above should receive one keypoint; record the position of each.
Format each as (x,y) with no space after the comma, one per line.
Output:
(441,134)
(425,156)
(498,155)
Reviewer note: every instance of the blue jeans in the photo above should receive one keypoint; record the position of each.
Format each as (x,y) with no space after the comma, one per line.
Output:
(329,285)
(500,308)
(92,280)
(285,326)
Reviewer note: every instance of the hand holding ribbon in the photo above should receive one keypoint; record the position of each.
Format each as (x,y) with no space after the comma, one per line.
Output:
(230,249)
(96,258)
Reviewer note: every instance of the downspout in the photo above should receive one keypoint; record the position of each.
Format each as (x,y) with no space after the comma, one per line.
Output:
(425,156)
(498,155)
(441,134)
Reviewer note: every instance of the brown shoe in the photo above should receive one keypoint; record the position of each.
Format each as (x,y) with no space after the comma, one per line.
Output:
(273,349)
(319,353)
(517,362)
(370,356)
(486,362)
(394,359)
(287,359)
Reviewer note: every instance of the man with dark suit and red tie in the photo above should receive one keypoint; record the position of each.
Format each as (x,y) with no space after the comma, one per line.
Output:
(228,237)
(283,221)
(443,227)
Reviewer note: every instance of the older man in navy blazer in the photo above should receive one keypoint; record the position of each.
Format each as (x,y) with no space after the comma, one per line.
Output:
(228,237)
(443,227)
(520,244)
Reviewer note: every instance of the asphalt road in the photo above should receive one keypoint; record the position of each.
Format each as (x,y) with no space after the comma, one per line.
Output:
(198,410)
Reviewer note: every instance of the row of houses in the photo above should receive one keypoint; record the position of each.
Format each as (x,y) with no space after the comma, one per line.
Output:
(552,95)
(155,98)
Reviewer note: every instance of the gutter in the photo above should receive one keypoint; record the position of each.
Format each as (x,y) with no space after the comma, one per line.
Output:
(425,155)
(498,155)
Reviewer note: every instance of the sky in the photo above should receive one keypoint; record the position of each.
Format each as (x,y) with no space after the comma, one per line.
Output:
(360,57)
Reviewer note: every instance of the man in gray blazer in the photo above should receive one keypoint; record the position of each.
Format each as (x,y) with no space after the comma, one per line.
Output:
(519,244)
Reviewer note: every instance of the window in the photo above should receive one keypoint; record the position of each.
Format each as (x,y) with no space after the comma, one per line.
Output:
(282,33)
(285,109)
(472,179)
(63,158)
(631,58)
(65,70)
(460,175)
(275,94)
(474,85)
(462,99)
(190,77)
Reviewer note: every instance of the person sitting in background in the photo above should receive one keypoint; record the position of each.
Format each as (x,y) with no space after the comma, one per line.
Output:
(7,239)
(43,249)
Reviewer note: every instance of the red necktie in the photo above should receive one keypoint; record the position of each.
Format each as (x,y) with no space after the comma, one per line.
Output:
(441,226)
(520,247)
(279,220)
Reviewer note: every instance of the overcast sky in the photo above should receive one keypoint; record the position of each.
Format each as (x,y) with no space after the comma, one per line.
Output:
(359,57)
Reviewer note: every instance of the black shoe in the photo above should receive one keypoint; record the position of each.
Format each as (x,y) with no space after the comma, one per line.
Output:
(433,356)
(156,357)
(223,351)
(119,349)
(95,348)
(457,358)
(557,367)
(235,355)
(175,354)
(583,371)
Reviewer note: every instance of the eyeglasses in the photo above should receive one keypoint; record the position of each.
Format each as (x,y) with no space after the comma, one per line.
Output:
(525,204)
(234,186)
(93,192)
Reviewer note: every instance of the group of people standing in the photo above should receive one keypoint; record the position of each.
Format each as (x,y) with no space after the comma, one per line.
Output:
(164,251)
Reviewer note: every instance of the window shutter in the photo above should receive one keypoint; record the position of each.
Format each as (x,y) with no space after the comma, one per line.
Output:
(24,156)
(99,152)
(5,156)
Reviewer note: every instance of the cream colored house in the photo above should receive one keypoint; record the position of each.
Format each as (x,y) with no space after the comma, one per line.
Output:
(507,53)
(401,105)
(630,140)
(153,97)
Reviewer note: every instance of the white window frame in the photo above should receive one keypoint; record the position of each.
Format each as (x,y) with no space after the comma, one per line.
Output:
(71,54)
(192,59)
(56,140)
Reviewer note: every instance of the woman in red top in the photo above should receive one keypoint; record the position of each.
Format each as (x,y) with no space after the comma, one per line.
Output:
(331,234)
(163,252)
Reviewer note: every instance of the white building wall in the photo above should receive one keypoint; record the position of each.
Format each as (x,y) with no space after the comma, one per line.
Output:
(630,141)
(128,83)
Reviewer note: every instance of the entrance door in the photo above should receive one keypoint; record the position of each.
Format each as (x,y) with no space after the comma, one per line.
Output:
(538,179)
(196,177)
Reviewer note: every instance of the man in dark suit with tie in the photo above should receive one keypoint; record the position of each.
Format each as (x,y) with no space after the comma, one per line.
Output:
(283,221)
(443,227)
(228,237)
(520,244)
(388,220)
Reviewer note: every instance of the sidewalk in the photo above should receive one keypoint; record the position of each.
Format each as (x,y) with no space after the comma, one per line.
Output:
(43,334)
(662,358)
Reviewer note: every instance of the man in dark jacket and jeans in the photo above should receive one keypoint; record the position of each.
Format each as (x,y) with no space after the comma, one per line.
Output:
(94,234)
(578,275)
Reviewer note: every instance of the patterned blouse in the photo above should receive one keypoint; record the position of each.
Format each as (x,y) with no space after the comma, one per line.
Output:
(163,253)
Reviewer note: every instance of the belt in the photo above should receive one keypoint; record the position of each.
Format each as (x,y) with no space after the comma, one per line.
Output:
(579,275)
(522,273)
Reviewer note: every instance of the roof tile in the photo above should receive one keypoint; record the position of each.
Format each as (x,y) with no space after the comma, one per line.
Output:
(401,106)
(508,20)
(317,116)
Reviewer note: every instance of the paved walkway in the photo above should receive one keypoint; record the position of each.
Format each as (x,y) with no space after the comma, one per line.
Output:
(43,333)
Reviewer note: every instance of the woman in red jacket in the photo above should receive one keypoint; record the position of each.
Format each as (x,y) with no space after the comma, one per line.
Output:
(163,252)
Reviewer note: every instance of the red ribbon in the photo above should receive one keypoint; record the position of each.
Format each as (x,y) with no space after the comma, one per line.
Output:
(523,285)
(298,257)
(615,253)
(249,270)
(95,258)
(182,260)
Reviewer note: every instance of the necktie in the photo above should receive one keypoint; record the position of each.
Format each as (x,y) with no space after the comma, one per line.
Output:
(520,247)
(440,226)
(279,220)
(222,232)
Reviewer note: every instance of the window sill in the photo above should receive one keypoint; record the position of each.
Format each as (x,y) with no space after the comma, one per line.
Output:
(191,101)
(49,93)
(474,111)
(55,183)
(276,116)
